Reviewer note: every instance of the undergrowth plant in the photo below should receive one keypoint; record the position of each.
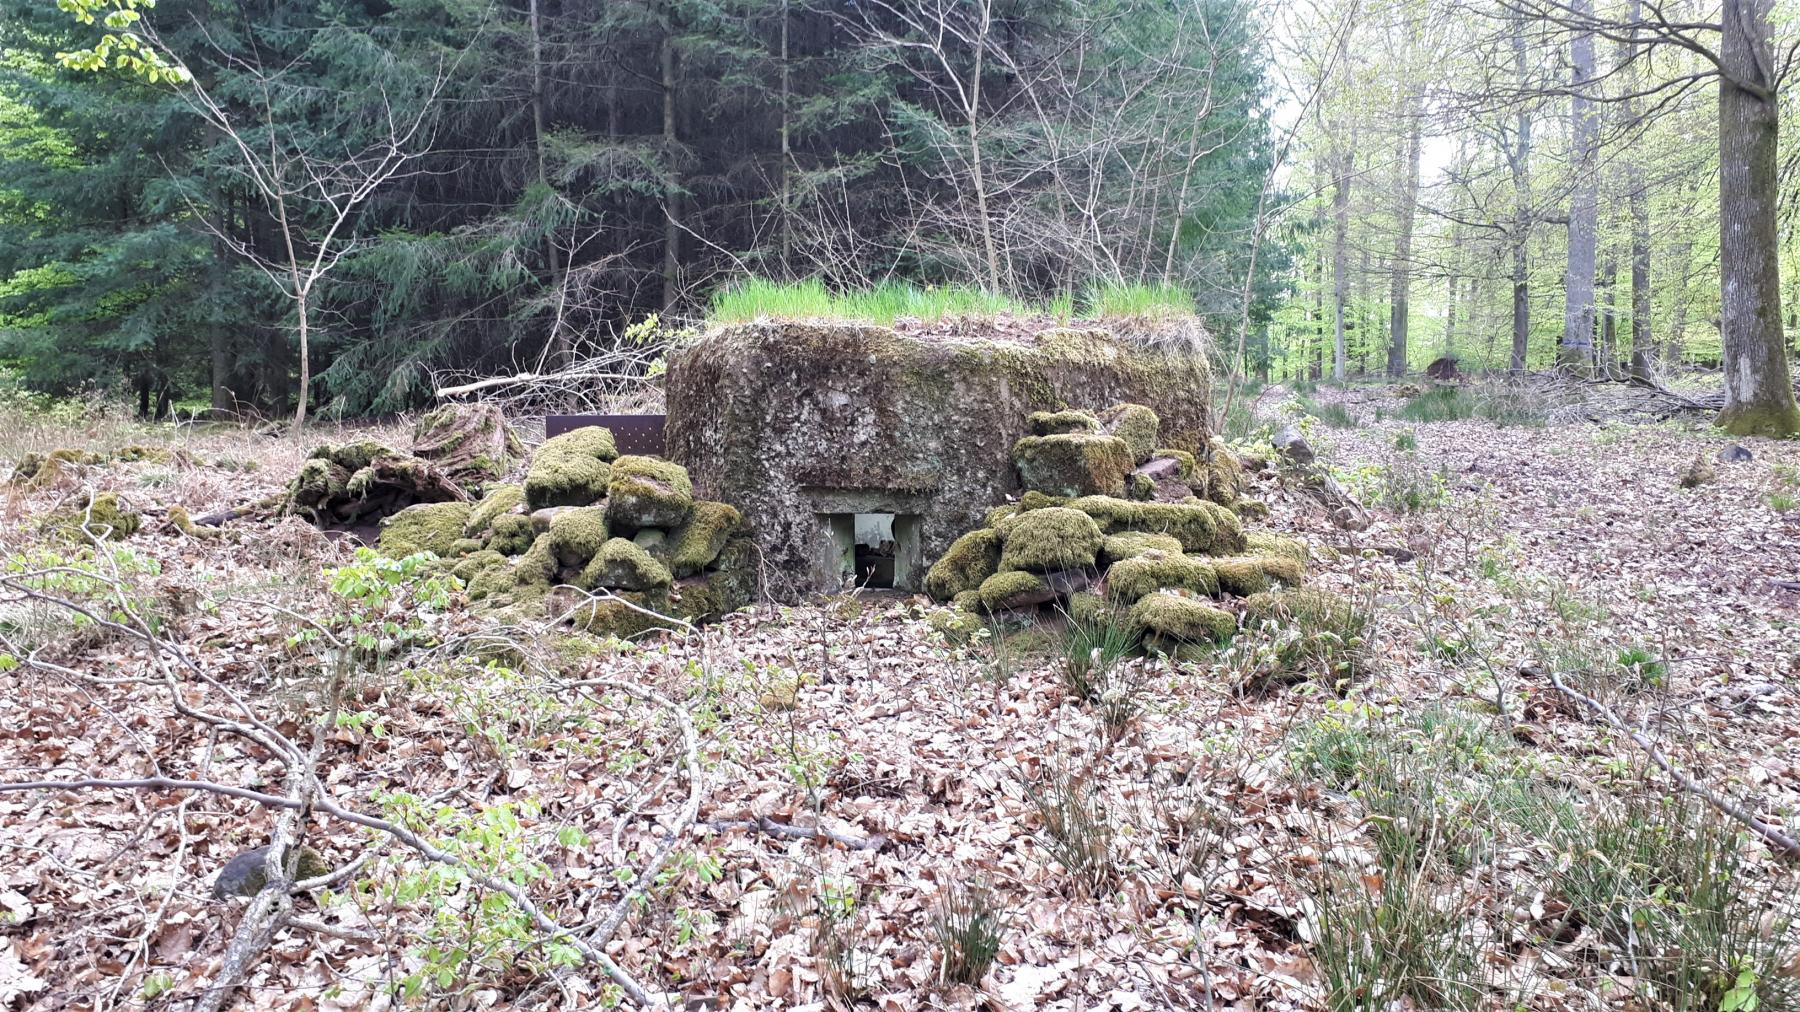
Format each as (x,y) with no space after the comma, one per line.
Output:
(1077,829)
(969,924)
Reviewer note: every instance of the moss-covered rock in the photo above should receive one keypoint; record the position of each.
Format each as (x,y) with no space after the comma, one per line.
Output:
(359,483)
(1135,578)
(474,564)
(1073,464)
(139,453)
(968,600)
(1265,543)
(463,546)
(971,559)
(1016,589)
(1137,425)
(1056,423)
(694,545)
(1218,478)
(1050,539)
(1186,467)
(1130,544)
(572,469)
(499,499)
(1311,609)
(1203,528)
(1088,609)
(1169,619)
(729,585)
(646,492)
(624,615)
(999,514)
(576,536)
(623,565)
(105,517)
(426,527)
(511,534)
(1243,576)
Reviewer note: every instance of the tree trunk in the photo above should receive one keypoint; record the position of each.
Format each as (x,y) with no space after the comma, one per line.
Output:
(1524,214)
(1401,269)
(1759,391)
(560,351)
(1577,348)
(1643,344)
(1340,257)
(973,109)
(1605,304)
(787,210)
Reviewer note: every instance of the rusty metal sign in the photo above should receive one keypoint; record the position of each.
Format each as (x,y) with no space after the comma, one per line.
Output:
(635,434)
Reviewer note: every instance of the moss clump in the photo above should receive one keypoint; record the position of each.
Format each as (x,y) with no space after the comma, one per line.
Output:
(1250,509)
(646,492)
(475,563)
(572,469)
(499,499)
(1311,609)
(511,534)
(969,560)
(728,586)
(1073,464)
(623,565)
(425,527)
(1264,543)
(1246,575)
(1050,539)
(576,536)
(104,517)
(1137,425)
(1035,500)
(999,514)
(181,520)
(1170,619)
(1087,609)
(1055,423)
(1202,527)
(968,600)
(694,545)
(463,546)
(1219,476)
(1015,589)
(1131,544)
(1139,577)
(137,452)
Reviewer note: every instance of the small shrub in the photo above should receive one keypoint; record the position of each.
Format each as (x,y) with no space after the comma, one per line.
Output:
(1663,882)
(1298,635)
(969,925)
(1405,485)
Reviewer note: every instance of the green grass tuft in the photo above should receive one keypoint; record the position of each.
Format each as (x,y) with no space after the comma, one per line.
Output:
(884,303)
(1115,301)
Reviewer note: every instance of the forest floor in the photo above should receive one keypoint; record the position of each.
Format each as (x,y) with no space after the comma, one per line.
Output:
(1432,826)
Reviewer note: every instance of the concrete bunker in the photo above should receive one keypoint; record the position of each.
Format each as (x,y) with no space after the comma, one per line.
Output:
(858,453)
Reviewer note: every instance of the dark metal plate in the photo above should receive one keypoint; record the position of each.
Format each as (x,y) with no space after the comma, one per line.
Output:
(636,434)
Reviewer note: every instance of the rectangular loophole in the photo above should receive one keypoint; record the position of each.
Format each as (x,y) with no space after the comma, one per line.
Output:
(876,550)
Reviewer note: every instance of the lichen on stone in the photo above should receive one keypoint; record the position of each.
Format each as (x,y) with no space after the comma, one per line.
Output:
(572,469)
(1137,425)
(425,527)
(1169,618)
(1050,539)
(1054,423)
(1134,578)
(970,559)
(1073,464)
(647,492)
(694,545)
(623,565)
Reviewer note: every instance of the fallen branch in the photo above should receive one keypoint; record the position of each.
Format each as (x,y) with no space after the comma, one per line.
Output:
(1786,845)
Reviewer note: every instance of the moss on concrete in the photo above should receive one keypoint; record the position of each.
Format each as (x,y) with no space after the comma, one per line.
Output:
(970,559)
(1050,539)
(572,469)
(1243,576)
(1132,579)
(1073,464)
(1130,544)
(1203,528)
(499,499)
(1168,619)
(1137,425)
(425,527)
(576,535)
(694,545)
(1006,590)
(1054,423)
(511,534)
(623,565)
(647,492)
(1265,543)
